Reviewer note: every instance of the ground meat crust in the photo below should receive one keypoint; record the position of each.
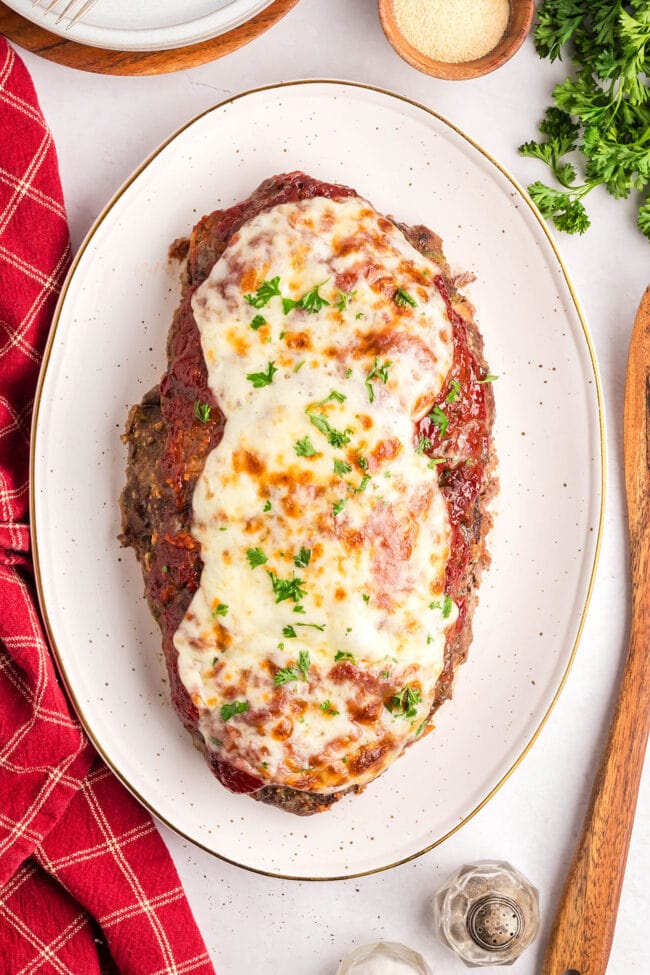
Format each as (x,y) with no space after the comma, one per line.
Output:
(168,445)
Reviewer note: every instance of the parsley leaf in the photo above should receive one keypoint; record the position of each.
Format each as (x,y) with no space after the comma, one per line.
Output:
(342,303)
(440,419)
(333,395)
(202,411)
(305,448)
(328,708)
(287,674)
(488,379)
(423,444)
(344,655)
(377,372)
(403,298)
(601,110)
(255,557)
(312,302)
(220,610)
(338,507)
(259,379)
(454,391)
(301,561)
(267,505)
(341,467)
(257,322)
(287,588)
(289,632)
(404,704)
(335,438)
(445,606)
(228,711)
(264,293)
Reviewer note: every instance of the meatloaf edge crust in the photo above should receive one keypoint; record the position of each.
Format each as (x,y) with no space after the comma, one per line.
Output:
(165,461)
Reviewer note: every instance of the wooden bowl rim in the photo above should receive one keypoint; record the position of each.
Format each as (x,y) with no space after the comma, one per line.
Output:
(513,37)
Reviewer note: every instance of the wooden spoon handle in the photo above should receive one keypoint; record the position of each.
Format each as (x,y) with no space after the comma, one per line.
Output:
(583,930)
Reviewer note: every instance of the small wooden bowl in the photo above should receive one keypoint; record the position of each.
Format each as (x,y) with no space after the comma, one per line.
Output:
(521,17)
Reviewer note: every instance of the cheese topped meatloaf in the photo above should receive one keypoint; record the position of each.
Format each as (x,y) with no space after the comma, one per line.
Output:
(307,489)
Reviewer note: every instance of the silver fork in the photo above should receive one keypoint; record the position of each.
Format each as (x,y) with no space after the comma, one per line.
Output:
(83,7)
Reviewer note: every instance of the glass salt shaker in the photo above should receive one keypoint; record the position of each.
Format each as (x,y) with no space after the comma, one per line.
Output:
(383,958)
(487,913)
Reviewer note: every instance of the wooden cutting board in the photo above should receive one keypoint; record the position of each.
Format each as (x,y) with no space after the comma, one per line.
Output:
(55,48)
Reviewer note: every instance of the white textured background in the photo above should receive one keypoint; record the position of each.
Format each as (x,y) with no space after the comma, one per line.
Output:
(103,128)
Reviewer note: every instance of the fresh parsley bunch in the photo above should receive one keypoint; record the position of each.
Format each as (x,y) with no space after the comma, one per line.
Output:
(602,109)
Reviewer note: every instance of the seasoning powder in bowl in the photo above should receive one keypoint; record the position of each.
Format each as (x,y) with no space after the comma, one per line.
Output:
(453,31)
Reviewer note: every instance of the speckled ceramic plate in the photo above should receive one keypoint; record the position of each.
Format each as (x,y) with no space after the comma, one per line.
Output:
(107,348)
(148,25)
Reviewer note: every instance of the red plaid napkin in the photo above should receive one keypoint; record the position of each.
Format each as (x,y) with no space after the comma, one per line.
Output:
(76,851)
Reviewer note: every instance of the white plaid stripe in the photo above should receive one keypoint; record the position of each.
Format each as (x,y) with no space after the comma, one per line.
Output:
(145,906)
(38,196)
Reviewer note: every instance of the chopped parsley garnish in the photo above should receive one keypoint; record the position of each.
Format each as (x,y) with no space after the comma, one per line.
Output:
(342,302)
(264,293)
(359,315)
(335,438)
(421,728)
(255,557)
(202,411)
(165,569)
(445,606)
(404,704)
(365,597)
(384,675)
(344,655)
(488,379)
(299,609)
(228,711)
(311,302)
(377,372)
(454,391)
(440,419)
(423,444)
(333,395)
(289,632)
(328,708)
(216,741)
(305,448)
(363,463)
(287,588)
(257,322)
(287,674)
(259,379)
(299,365)
(288,304)
(365,481)
(302,559)
(435,461)
(338,507)
(215,661)
(220,610)
(341,467)
(314,626)
(267,505)
(348,373)
(403,298)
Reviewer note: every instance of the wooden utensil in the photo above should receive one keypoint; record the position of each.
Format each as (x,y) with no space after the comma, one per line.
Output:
(521,16)
(582,933)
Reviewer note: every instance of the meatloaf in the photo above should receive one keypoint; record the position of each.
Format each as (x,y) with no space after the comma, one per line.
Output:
(301,717)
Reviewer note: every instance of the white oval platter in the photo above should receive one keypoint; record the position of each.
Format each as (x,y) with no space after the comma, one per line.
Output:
(107,349)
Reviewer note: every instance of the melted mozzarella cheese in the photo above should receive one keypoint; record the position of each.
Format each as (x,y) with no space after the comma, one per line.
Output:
(314,668)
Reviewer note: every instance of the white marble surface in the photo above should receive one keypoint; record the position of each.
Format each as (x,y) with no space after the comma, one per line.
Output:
(103,128)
